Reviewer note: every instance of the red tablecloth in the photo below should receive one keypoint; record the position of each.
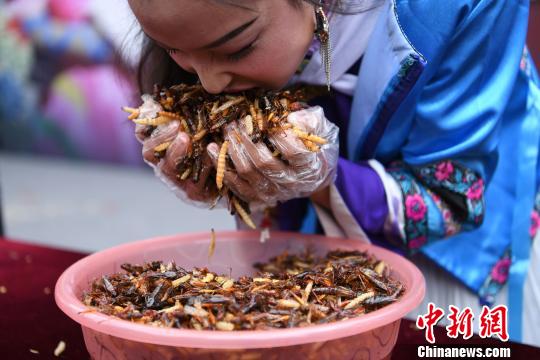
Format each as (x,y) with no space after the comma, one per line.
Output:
(30,319)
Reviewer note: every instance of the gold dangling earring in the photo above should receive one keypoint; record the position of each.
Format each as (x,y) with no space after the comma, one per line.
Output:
(322,31)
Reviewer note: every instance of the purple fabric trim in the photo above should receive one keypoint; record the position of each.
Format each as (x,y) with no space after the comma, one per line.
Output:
(363,191)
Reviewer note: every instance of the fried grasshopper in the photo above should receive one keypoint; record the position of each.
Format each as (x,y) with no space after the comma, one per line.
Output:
(290,290)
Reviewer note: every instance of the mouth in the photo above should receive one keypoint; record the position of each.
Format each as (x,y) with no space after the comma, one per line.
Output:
(236,90)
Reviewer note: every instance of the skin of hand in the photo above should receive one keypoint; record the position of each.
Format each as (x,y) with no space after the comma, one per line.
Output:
(258,176)
(167,167)
(232,45)
(322,197)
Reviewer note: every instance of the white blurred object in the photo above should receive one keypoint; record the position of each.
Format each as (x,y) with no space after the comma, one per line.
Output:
(24,8)
(115,20)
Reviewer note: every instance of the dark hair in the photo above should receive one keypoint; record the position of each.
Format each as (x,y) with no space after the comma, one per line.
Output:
(157,67)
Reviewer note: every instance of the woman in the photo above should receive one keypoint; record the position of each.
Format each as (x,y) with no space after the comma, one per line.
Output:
(438,109)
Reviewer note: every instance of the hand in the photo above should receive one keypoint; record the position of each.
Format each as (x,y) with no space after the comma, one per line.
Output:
(322,197)
(260,177)
(167,167)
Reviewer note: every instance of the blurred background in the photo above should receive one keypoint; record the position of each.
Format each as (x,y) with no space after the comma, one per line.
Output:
(71,174)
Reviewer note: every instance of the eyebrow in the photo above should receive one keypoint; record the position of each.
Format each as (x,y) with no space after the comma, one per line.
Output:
(231,35)
(222,40)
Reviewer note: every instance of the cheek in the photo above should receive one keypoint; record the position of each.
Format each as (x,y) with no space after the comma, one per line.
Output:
(270,71)
(276,65)
(279,59)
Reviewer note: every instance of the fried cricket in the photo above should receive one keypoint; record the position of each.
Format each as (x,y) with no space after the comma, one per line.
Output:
(289,291)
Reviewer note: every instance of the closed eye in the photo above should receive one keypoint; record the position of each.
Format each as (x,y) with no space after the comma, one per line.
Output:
(242,53)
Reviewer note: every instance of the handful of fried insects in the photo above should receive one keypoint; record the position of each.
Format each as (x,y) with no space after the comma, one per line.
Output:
(203,117)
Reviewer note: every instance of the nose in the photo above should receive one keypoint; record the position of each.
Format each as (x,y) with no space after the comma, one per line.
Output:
(213,79)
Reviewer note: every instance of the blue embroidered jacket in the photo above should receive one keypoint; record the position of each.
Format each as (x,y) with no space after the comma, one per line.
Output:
(448,102)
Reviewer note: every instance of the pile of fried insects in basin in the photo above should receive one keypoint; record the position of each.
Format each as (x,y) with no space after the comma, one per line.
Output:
(288,291)
(203,116)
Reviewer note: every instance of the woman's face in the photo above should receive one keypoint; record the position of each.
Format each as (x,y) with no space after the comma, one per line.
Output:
(231,45)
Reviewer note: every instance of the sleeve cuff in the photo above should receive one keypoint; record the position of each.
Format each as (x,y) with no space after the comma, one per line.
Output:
(363,192)
(340,219)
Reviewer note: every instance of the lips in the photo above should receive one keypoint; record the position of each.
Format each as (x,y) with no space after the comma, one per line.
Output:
(237,89)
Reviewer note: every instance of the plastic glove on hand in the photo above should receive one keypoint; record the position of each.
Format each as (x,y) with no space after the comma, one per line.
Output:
(295,162)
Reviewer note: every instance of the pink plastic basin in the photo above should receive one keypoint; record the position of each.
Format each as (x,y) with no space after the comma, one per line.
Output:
(370,336)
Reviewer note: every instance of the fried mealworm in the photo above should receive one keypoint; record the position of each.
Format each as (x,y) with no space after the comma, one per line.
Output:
(220,171)
(243,214)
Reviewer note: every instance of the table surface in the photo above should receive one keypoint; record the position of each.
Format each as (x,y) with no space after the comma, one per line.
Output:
(31,320)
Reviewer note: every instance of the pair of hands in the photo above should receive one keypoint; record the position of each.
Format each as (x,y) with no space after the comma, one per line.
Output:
(258,177)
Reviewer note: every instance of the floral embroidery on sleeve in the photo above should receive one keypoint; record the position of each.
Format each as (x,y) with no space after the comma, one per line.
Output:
(461,186)
(496,279)
(535,224)
(525,63)
(451,224)
(417,213)
(499,273)
(444,189)
(535,217)
(415,208)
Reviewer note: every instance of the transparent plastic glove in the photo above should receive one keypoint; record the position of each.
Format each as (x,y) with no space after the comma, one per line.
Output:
(259,177)
(203,192)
